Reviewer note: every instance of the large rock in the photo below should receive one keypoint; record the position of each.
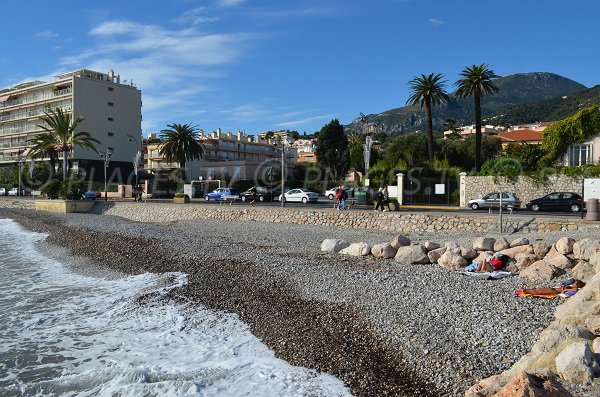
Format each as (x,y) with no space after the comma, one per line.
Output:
(501,244)
(519,241)
(542,383)
(383,251)
(452,261)
(524,260)
(487,386)
(512,252)
(596,346)
(400,241)
(540,248)
(357,249)
(558,260)
(564,245)
(576,363)
(483,243)
(540,270)
(583,271)
(593,324)
(430,245)
(414,253)
(584,249)
(468,253)
(333,245)
(434,255)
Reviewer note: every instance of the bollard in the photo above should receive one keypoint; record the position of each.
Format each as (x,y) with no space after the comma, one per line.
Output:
(592,210)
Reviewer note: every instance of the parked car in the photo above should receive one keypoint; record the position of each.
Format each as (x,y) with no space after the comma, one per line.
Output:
(492,200)
(220,192)
(557,201)
(262,194)
(15,192)
(300,195)
(330,194)
(3,191)
(89,195)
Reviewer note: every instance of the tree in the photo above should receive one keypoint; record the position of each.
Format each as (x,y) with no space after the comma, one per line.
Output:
(44,145)
(179,144)
(427,91)
(332,149)
(477,80)
(62,136)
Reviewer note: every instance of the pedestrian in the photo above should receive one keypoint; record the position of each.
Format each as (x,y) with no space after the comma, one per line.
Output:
(339,194)
(344,198)
(253,193)
(386,197)
(379,199)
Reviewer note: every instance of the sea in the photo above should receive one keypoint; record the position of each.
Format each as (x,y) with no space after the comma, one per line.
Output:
(65,333)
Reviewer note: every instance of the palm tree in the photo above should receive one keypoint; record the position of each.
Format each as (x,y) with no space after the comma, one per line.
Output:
(44,145)
(180,143)
(428,91)
(62,136)
(477,80)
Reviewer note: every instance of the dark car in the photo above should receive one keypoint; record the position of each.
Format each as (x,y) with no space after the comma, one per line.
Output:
(262,194)
(557,201)
(217,194)
(89,195)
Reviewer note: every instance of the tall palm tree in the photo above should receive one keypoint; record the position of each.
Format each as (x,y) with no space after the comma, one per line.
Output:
(427,91)
(44,145)
(62,136)
(476,81)
(180,143)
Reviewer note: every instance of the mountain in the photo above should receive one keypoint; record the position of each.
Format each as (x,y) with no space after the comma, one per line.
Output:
(513,90)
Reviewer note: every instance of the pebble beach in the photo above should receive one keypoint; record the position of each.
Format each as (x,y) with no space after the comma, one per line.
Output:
(384,328)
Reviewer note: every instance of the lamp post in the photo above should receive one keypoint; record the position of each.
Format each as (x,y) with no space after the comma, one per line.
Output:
(283,143)
(136,159)
(21,160)
(105,156)
(367,146)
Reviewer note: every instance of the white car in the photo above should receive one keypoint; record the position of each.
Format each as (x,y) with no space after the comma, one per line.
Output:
(14,191)
(300,196)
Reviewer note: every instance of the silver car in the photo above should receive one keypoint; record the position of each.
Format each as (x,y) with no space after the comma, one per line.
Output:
(492,200)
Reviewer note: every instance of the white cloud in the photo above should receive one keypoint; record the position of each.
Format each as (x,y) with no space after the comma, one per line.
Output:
(436,22)
(229,3)
(196,16)
(47,34)
(304,121)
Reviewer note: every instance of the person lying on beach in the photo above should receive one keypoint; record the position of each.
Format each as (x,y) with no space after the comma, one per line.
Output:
(567,288)
(492,264)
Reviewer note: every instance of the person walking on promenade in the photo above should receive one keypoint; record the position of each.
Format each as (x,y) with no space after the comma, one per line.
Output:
(253,193)
(344,198)
(379,199)
(339,194)
(386,198)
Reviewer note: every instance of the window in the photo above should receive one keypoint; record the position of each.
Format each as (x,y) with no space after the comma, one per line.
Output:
(579,154)
(111,119)
(111,104)
(110,88)
(111,134)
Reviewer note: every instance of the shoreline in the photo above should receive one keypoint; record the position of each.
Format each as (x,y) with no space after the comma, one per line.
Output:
(294,304)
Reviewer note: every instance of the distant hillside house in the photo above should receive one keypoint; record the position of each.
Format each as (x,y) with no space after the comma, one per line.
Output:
(520,137)
(470,130)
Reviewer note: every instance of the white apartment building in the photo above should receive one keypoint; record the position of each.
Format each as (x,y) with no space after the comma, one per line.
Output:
(111,111)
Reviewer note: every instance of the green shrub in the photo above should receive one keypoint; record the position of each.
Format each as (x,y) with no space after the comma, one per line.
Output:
(72,189)
(51,188)
(181,195)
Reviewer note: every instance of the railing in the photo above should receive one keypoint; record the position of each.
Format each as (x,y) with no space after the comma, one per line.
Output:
(47,95)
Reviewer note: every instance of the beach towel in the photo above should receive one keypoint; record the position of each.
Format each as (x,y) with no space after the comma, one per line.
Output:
(547,293)
(488,275)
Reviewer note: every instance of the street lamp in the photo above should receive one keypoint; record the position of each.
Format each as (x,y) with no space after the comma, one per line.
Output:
(283,143)
(136,159)
(105,156)
(21,160)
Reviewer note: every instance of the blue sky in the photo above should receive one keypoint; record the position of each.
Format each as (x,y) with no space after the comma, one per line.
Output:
(257,65)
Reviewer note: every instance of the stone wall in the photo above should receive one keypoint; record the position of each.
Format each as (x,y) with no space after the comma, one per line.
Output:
(524,187)
(401,221)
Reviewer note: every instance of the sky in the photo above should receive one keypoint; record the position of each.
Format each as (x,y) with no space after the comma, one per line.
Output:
(260,65)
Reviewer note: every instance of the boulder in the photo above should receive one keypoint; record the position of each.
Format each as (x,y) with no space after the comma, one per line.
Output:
(414,253)
(558,260)
(583,271)
(593,324)
(564,245)
(487,386)
(576,363)
(452,245)
(468,253)
(555,334)
(383,251)
(540,270)
(452,261)
(400,241)
(333,245)
(542,383)
(540,248)
(357,249)
(524,260)
(501,244)
(430,245)
(483,243)
(512,252)
(435,254)
(584,249)
(519,241)
(596,346)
